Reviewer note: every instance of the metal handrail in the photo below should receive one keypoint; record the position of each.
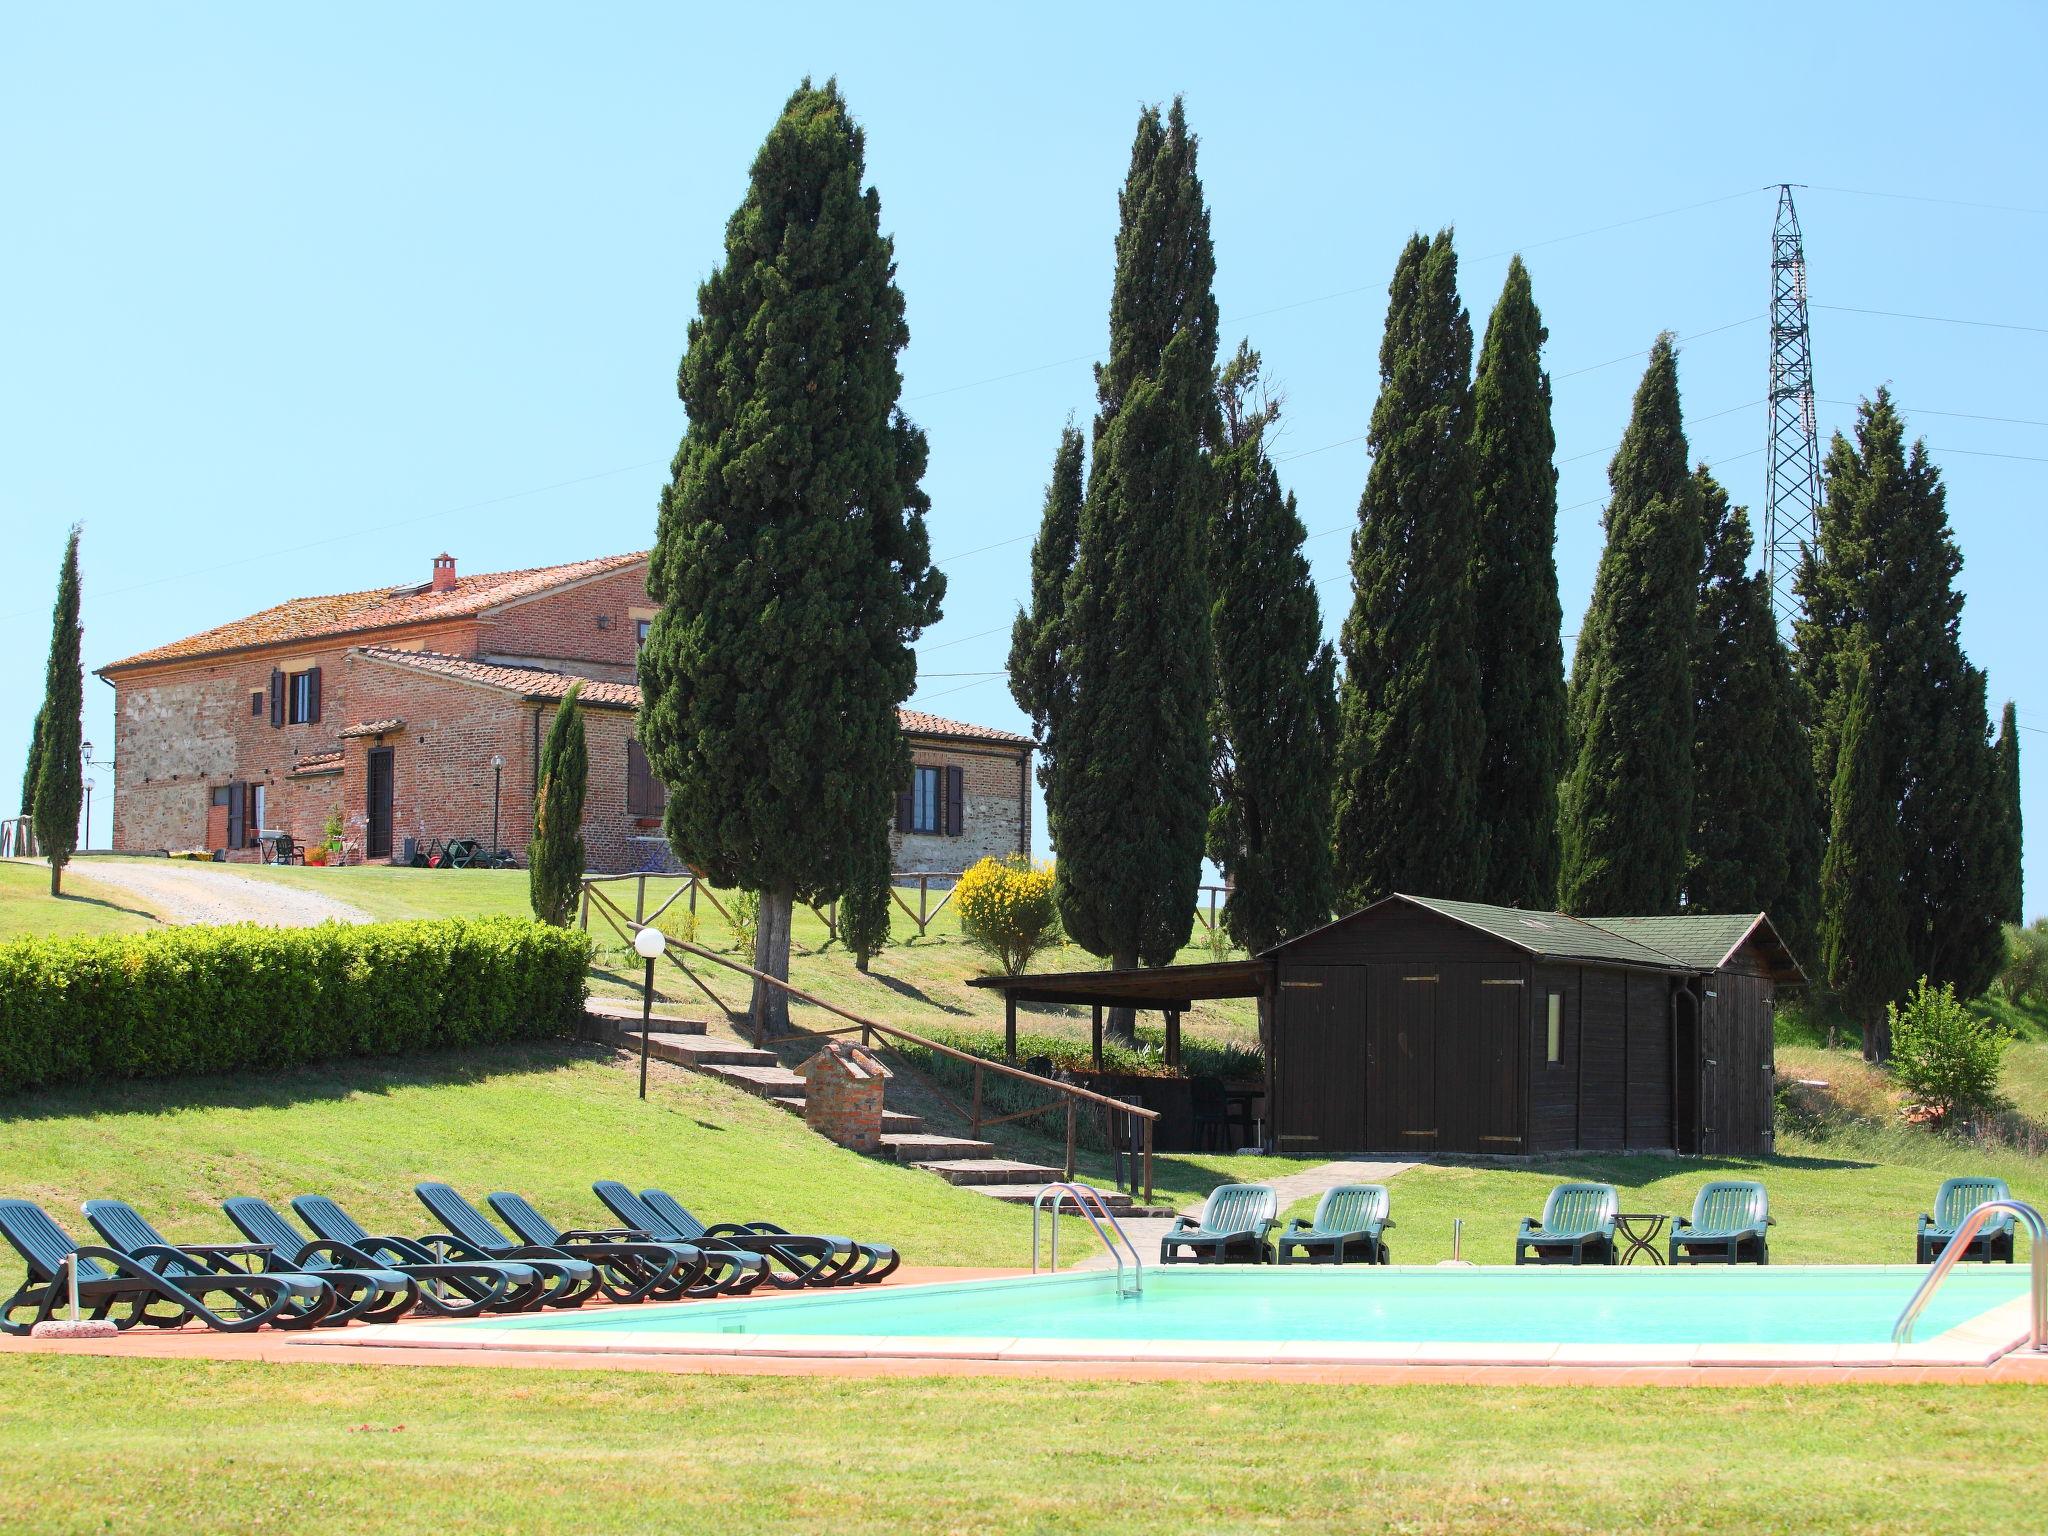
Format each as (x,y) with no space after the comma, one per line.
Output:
(1082,1195)
(1966,1230)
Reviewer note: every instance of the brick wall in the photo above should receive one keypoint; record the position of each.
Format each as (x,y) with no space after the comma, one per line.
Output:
(563,626)
(993,821)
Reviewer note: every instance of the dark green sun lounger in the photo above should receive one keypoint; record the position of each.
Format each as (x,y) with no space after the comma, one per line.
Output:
(128,1231)
(446,1290)
(1952,1205)
(635,1266)
(125,1290)
(798,1258)
(1236,1219)
(469,1234)
(1348,1224)
(459,1287)
(1731,1222)
(1577,1227)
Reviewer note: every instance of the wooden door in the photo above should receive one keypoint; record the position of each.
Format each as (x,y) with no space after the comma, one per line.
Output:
(1496,1059)
(377,841)
(1319,1063)
(1403,1026)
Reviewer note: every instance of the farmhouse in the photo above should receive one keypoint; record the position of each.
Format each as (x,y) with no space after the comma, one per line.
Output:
(415,713)
(1423,1026)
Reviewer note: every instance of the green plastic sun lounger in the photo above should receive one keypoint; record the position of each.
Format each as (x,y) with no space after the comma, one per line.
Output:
(1236,1219)
(1731,1223)
(1348,1224)
(1952,1204)
(456,1287)
(1577,1227)
(794,1258)
(470,1235)
(445,1290)
(739,1269)
(128,1231)
(125,1290)
(633,1268)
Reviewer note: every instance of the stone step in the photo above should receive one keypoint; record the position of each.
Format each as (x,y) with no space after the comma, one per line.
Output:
(626,1016)
(712,1051)
(769,1081)
(919,1147)
(1119,1204)
(989,1170)
(894,1121)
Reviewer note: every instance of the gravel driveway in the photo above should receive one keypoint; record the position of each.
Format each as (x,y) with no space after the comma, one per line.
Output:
(212,893)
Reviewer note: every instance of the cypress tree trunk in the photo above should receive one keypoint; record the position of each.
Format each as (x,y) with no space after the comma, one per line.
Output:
(1626,804)
(791,561)
(1514,579)
(60,777)
(1410,730)
(1128,799)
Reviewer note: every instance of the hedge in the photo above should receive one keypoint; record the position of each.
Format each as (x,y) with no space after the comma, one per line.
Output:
(185,1000)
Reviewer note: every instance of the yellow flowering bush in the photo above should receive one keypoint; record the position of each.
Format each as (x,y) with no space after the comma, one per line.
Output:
(1006,910)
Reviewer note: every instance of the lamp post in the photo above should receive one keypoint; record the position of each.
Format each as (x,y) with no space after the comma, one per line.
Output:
(497,789)
(85,760)
(648,943)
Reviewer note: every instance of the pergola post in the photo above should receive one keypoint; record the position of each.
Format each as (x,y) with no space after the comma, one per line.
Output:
(1009,1028)
(1173,1037)
(1095,1039)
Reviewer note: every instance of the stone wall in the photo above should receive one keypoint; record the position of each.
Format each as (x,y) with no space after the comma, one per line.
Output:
(995,811)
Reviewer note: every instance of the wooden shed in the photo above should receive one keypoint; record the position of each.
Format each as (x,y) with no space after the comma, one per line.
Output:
(1424,1026)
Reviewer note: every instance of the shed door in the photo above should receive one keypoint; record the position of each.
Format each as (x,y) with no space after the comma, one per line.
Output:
(1403,1031)
(1319,1063)
(1497,1049)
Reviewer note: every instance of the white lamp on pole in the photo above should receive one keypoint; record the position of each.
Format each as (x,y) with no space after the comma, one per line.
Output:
(650,943)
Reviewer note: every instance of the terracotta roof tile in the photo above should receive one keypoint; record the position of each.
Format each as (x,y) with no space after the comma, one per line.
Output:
(371,727)
(349,613)
(312,763)
(917,723)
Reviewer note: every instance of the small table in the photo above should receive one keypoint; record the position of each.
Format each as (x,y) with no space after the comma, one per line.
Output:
(1639,1230)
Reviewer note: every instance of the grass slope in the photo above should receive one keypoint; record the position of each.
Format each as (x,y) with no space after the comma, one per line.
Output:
(27,909)
(219,1447)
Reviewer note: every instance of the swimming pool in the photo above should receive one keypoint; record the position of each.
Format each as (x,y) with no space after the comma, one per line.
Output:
(1792,1314)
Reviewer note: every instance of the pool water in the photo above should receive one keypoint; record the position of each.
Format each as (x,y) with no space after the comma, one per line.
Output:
(1812,1305)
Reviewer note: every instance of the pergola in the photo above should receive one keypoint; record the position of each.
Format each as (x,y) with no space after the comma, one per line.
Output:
(1167,989)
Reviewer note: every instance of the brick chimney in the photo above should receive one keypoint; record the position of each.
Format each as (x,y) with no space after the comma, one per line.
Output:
(444,572)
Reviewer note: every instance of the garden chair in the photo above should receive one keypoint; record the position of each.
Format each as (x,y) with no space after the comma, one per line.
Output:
(1731,1221)
(1236,1219)
(108,1279)
(470,1235)
(806,1258)
(1952,1204)
(1348,1223)
(484,1285)
(633,1268)
(1577,1227)
(446,1290)
(352,1294)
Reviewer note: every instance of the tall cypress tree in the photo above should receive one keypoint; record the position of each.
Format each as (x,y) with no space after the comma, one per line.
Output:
(791,561)
(60,777)
(33,766)
(554,860)
(1276,705)
(1626,803)
(1514,581)
(1879,590)
(1863,904)
(864,908)
(1129,796)
(2007,881)
(1039,680)
(1410,732)
(1755,842)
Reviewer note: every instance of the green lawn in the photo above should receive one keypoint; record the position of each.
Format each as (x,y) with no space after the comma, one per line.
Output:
(95,1444)
(27,908)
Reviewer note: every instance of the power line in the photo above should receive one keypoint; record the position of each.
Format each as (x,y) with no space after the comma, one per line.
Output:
(1895,314)
(962,640)
(1985,453)
(1645,352)
(1922,410)
(1947,202)
(999,544)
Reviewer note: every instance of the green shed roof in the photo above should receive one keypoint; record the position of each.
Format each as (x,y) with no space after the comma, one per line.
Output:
(1700,942)
(1553,935)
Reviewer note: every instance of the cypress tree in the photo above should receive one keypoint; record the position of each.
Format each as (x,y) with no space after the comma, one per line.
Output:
(554,860)
(1514,581)
(864,909)
(791,561)
(1879,590)
(1756,808)
(1276,705)
(1410,733)
(34,766)
(1863,908)
(60,777)
(1039,681)
(2007,883)
(1129,794)
(1626,802)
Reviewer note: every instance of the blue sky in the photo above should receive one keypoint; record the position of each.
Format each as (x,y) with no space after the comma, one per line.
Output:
(296,298)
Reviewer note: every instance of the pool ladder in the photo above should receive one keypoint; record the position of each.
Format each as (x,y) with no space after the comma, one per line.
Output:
(1089,1202)
(2037,1261)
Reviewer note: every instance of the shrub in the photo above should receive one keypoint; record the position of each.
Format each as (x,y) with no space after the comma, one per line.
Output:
(2025,977)
(186,1000)
(746,918)
(1947,1058)
(1006,911)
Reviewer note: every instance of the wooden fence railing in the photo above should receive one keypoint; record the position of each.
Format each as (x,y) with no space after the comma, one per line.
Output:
(1071,1095)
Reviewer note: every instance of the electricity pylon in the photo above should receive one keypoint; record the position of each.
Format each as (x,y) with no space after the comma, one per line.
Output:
(1792,483)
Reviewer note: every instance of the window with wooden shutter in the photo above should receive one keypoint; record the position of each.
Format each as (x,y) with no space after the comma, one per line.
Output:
(276,697)
(906,804)
(312,697)
(646,795)
(956,800)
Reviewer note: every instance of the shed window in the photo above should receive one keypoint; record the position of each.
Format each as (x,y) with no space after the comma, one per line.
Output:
(1553,1029)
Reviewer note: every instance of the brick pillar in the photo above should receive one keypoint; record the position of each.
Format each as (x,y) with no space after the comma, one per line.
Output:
(843,1088)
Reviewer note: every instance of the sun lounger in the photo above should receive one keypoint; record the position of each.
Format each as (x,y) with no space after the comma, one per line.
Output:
(1954,1202)
(471,1235)
(128,1231)
(1232,1229)
(446,1290)
(635,1266)
(803,1258)
(1577,1227)
(1731,1221)
(483,1285)
(1348,1224)
(119,1287)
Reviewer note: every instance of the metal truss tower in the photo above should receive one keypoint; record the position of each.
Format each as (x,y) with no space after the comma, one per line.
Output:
(1792,483)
